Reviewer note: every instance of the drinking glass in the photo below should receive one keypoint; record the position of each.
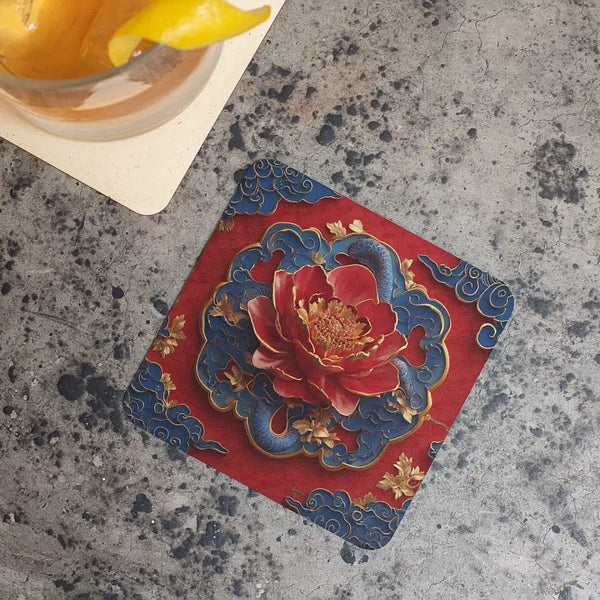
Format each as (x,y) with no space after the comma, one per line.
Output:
(120,102)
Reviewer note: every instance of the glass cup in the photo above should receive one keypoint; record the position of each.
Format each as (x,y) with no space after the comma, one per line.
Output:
(125,101)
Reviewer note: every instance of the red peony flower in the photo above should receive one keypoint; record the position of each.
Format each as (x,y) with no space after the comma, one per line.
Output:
(325,337)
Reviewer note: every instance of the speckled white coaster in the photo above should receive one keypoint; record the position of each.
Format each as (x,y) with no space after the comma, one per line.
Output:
(143,172)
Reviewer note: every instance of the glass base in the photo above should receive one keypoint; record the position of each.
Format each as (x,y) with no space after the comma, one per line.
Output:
(131,103)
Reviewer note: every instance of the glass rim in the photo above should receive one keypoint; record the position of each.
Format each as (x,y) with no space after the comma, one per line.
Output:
(50,84)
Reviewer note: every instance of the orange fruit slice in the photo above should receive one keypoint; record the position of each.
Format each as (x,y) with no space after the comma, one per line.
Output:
(183,24)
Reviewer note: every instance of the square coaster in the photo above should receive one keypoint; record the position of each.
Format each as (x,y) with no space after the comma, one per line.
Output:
(319,353)
(143,172)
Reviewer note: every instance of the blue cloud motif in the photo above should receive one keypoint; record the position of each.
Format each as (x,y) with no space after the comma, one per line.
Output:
(371,527)
(493,297)
(434,448)
(145,403)
(269,181)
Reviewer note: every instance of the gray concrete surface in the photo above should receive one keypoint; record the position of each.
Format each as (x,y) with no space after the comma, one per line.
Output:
(471,123)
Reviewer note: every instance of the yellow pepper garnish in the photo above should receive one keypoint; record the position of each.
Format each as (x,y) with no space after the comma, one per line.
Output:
(183,24)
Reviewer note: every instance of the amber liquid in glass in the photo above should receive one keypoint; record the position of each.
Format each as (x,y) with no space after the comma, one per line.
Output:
(60,39)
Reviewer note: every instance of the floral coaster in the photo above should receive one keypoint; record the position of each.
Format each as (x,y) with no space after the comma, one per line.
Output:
(319,354)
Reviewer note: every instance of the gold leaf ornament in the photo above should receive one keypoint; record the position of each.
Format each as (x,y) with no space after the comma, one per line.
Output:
(366,499)
(409,276)
(225,225)
(314,428)
(237,377)
(400,404)
(165,345)
(356,226)
(317,258)
(406,481)
(225,308)
(169,386)
(337,229)
(176,329)
(166,379)
(170,402)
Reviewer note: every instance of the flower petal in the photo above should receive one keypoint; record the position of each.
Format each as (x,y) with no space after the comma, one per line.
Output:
(263,358)
(381,315)
(392,345)
(283,302)
(262,315)
(380,380)
(287,321)
(353,284)
(389,346)
(282,290)
(311,280)
(341,399)
(298,389)
(310,363)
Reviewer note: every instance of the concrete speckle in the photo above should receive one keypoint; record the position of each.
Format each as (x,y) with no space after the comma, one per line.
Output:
(337,177)
(494,403)
(65,585)
(579,329)
(541,306)
(117,292)
(326,135)
(71,387)
(348,553)
(141,504)
(228,505)
(121,351)
(386,136)
(335,119)
(565,593)
(474,127)
(558,177)
(161,306)
(236,140)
